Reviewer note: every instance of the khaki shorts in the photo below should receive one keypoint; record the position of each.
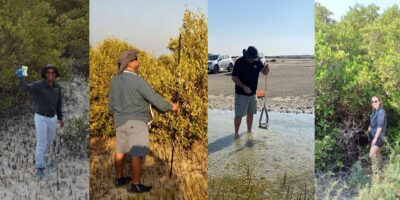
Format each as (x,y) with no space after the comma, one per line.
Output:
(245,105)
(133,137)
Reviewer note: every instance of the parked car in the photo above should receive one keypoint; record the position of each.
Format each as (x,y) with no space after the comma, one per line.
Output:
(218,62)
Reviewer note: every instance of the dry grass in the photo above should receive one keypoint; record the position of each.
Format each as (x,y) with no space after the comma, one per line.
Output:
(385,183)
(189,179)
(363,181)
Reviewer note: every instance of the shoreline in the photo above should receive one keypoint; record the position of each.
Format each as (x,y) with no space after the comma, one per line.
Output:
(304,104)
(290,87)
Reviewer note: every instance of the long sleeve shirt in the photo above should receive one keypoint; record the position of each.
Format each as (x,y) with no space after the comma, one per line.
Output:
(130,96)
(47,99)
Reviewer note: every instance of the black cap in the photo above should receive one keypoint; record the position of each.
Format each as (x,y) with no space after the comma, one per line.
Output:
(251,53)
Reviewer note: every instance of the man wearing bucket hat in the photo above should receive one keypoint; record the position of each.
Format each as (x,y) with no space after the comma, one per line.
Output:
(47,100)
(245,76)
(129,99)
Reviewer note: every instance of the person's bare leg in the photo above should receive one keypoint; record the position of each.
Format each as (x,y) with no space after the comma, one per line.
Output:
(379,154)
(373,152)
(379,157)
(136,168)
(237,120)
(249,120)
(373,155)
(119,159)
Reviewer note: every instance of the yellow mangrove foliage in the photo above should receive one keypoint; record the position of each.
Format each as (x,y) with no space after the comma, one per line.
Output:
(185,82)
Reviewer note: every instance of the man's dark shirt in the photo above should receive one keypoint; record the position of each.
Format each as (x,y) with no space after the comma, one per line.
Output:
(47,99)
(247,74)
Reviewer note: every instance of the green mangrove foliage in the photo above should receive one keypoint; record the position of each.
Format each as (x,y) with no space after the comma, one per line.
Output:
(356,57)
(35,33)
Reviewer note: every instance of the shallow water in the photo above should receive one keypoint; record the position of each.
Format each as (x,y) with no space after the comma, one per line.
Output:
(286,147)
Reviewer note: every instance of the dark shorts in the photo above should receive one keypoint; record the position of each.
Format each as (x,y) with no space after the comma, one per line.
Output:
(379,141)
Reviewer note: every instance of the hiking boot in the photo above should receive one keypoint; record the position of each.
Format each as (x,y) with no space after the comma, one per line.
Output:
(139,188)
(40,172)
(122,181)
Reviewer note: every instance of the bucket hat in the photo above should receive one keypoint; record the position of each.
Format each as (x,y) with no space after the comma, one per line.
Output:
(44,69)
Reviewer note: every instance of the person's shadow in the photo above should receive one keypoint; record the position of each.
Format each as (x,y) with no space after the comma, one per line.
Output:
(228,140)
(221,143)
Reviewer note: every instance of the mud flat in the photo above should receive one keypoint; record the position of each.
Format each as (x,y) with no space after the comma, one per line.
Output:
(67,162)
(290,87)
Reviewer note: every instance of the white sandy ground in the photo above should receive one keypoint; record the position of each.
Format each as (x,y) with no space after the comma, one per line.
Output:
(68,177)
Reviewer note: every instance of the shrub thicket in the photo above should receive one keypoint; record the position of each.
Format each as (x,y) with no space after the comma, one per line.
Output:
(356,58)
(35,33)
(188,80)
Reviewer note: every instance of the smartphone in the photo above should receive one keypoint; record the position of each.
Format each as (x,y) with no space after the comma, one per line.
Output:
(24,70)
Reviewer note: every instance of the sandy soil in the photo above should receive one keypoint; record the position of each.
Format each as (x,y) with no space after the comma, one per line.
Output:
(67,162)
(189,179)
(290,87)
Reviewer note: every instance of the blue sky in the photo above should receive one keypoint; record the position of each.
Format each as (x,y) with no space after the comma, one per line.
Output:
(284,27)
(146,24)
(340,7)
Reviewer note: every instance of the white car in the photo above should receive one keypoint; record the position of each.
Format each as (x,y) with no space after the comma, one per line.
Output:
(218,62)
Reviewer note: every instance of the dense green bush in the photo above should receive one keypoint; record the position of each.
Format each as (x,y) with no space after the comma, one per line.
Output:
(356,58)
(72,24)
(35,33)
(188,80)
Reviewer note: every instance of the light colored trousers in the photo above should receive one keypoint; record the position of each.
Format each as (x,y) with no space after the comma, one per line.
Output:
(45,132)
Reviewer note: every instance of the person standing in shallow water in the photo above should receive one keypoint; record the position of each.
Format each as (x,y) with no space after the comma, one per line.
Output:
(47,101)
(129,100)
(376,129)
(245,76)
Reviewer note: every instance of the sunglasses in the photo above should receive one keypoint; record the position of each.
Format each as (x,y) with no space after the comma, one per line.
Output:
(376,101)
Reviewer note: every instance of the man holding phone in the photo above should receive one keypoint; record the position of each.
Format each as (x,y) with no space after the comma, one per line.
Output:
(47,101)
